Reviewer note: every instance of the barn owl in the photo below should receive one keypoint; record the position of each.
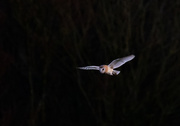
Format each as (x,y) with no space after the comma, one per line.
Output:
(109,69)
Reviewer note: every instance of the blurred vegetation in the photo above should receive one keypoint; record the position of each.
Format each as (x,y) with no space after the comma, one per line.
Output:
(44,41)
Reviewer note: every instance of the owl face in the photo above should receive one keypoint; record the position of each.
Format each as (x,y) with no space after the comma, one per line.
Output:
(102,69)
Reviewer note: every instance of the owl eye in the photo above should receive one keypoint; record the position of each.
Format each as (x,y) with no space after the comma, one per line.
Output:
(102,69)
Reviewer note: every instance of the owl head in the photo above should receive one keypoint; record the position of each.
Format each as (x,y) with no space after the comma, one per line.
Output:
(102,69)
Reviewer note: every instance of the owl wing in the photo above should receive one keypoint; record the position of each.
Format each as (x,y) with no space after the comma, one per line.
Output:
(120,61)
(89,68)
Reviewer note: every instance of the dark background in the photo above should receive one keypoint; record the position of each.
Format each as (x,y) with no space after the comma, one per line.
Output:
(43,41)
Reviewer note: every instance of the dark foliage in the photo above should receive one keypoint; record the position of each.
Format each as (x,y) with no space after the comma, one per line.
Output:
(43,41)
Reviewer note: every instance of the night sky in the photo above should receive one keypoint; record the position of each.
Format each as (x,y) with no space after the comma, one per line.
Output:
(42,42)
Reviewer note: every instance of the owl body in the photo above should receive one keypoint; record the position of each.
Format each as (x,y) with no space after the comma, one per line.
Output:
(106,69)
(109,69)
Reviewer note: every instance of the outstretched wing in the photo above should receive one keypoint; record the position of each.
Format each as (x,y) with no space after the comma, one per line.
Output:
(120,61)
(89,68)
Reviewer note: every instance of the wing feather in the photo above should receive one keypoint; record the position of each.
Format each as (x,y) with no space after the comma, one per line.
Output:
(120,61)
(89,68)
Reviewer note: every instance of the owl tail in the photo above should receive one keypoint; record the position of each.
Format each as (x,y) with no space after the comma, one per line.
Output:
(115,72)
